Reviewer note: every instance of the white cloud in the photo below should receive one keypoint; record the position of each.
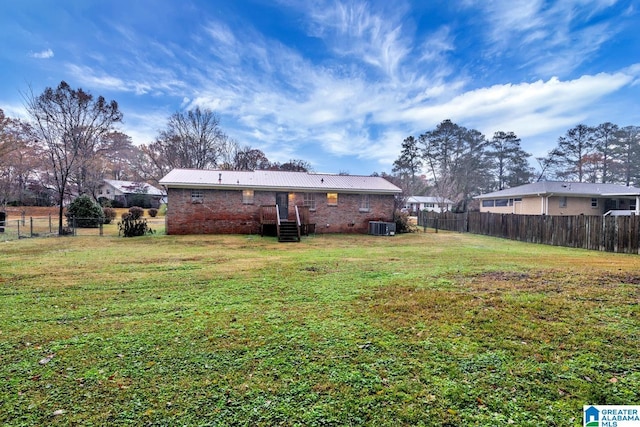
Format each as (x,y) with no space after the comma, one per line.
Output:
(143,127)
(87,76)
(526,108)
(437,44)
(279,101)
(15,111)
(274,98)
(554,39)
(355,29)
(153,82)
(45,54)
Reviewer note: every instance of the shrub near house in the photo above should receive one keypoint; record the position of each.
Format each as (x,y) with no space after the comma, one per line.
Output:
(85,213)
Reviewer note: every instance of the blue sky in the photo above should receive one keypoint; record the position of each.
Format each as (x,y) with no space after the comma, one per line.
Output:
(339,84)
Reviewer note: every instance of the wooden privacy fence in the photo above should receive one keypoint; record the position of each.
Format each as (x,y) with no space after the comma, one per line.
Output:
(603,233)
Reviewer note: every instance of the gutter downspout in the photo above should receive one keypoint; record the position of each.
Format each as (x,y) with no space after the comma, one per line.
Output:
(547,203)
(544,201)
(637,205)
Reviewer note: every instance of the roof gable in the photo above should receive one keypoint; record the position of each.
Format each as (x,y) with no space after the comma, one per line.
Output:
(277,180)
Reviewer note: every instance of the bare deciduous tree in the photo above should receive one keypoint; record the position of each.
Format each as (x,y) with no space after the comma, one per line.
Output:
(191,140)
(20,159)
(69,124)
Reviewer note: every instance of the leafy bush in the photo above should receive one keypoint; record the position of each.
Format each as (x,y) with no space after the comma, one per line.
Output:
(163,209)
(132,227)
(109,215)
(153,212)
(402,222)
(136,212)
(104,202)
(85,213)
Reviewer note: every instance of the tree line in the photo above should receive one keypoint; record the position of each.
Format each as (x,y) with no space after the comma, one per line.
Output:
(70,143)
(457,163)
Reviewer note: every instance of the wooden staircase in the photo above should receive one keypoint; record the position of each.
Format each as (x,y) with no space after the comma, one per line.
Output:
(288,232)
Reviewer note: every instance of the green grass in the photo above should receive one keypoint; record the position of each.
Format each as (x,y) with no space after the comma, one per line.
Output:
(420,329)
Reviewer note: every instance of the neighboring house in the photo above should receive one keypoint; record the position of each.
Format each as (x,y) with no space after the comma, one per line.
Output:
(129,193)
(415,204)
(241,202)
(563,198)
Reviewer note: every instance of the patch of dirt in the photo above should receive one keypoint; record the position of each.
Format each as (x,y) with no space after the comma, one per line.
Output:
(547,292)
(544,280)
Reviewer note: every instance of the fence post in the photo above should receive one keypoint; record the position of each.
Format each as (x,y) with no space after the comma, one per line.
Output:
(101,229)
(423,216)
(50,228)
(73,222)
(18,221)
(436,223)
(30,226)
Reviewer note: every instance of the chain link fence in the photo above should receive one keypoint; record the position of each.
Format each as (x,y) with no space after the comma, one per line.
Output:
(11,228)
(21,227)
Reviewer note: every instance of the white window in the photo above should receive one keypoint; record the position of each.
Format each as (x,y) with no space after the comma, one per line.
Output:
(332,199)
(197,196)
(247,197)
(310,201)
(365,203)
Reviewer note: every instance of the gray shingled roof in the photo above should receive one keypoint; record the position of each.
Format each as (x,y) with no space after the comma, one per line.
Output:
(558,188)
(276,180)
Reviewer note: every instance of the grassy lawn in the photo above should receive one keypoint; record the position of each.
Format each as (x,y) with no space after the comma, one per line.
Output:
(420,329)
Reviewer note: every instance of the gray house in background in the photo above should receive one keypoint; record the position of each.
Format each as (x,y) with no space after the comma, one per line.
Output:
(415,204)
(130,193)
(563,198)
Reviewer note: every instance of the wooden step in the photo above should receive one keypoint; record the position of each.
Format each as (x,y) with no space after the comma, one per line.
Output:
(288,232)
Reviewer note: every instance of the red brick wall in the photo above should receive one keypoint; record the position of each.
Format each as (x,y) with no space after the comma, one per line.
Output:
(222,212)
(346,217)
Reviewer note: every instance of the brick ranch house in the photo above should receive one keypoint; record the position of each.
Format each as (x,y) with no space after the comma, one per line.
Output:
(241,202)
(563,198)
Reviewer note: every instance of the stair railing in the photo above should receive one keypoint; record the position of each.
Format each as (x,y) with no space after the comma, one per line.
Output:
(298,224)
